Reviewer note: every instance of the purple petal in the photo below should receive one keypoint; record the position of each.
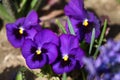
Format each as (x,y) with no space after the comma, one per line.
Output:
(68,42)
(52,52)
(90,65)
(59,69)
(31,33)
(46,36)
(37,63)
(20,21)
(81,33)
(27,47)
(75,9)
(37,27)
(79,54)
(88,37)
(17,43)
(31,19)
(93,18)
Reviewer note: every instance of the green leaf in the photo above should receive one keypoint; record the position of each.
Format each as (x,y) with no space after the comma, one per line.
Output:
(83,75)
(60,26)
(47,70)
(33,3)
(37,4)
(22,4)
(10,7)
(92,40)
(4,14)
(19,76)
(101,38)
(70,27)
(64,76)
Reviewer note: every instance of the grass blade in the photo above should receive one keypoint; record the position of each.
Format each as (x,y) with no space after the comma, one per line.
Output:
(33,3)
(60,26)
(5,15)
(22,4)
(101,38)
(70,27)
(10,8)
(19,76)
(92,40)
(38,4)
(64,76)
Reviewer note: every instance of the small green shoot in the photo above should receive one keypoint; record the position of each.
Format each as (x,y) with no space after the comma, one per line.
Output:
(101,38)
(92,40)
(70,27)
(64,76)
(60,26)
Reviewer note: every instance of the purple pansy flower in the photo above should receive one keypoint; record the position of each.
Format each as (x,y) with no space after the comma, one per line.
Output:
(82,20)
(107,64)
(23,28)
(70,54)
(41,50)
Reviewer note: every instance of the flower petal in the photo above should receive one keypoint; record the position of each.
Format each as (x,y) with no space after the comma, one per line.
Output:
(78,54)
(59,69)
(10,28)
(37,27)
(19,22)
(68,42)
(95,20)
(36,64)
(31,19)
(28,48)
(75,9)
(88,37)
(31,33)
(46,36)
(52,52)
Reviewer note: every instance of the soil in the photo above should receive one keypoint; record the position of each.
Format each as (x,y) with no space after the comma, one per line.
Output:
(11,59)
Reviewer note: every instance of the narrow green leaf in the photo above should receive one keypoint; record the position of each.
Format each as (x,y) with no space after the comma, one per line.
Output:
(19,76)
(5,15)
(83,75)
(38,4)
(33,3)
(64,76)
(24,8)
(101,38)
(92,40)
(22,4)
(70,27)
(60,26)
(10,7)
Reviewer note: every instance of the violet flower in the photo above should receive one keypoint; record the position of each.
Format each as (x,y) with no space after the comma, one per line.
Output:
(70,54)
(23,28)
(42,50)
(107,64)
(83,21)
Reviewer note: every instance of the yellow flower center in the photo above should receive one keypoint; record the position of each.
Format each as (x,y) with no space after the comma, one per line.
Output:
(65,57)
(38,52)
(21,30)
(85,23)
